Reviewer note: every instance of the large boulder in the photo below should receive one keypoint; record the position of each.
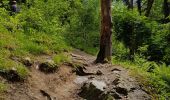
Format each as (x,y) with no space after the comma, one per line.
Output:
(94,90)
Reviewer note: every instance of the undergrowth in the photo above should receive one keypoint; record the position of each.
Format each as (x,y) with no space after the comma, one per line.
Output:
(32,32)
(61,58)
(154,77)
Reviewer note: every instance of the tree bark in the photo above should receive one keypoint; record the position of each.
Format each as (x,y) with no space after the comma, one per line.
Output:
(106,32)
(166,9)
(131,4)
(139,6)
(149,6)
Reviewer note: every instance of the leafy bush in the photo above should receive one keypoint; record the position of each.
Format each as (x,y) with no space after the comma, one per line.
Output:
(159,47)
(131,29)
(83,30)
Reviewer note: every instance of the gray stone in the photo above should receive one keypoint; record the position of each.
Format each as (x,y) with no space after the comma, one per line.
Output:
(80,80)
(94,90)
(116,81)
(138,95)
(116,70)
(99,72)
(121,90)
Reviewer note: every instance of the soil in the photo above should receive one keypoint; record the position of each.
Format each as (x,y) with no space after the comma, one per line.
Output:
(66,84)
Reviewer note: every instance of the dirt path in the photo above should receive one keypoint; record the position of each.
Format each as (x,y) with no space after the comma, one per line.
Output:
(66,85)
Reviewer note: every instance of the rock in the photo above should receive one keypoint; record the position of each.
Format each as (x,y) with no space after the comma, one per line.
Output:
(46,95)
(99,84)
(80,71)
(116,70)
(81,80)
(27,61)
(94,90)
(115,95)
(138,95)
(132,89)
(48,67)
(99,72)
(116,81)
(122,91)
(91,77)
(11,75)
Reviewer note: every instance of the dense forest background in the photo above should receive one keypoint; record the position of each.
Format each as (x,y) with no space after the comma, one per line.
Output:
(141,40)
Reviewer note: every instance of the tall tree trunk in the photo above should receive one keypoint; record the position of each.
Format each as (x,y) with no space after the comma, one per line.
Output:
(166,9)
(139,6)
(149,6)
(131,4)
(106,32)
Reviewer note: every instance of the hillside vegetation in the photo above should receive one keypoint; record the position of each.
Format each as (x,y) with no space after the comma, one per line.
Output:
(51,27)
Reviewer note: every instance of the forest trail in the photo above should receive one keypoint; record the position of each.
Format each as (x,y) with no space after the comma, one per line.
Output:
(88,82)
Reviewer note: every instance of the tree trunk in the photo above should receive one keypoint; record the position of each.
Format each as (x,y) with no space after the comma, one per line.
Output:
(131,4)
(166,9)
(149,6)
(106,32)
(139,6)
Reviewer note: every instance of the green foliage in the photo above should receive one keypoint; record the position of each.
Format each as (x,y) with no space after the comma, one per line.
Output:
(130,28)
(159,47)
(48,26)
(157,10)
(7,64)
(83,30)
(22,71)
(138,32)
(36,30)
(61,58)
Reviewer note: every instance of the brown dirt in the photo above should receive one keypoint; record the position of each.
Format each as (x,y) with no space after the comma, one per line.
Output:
(61,85)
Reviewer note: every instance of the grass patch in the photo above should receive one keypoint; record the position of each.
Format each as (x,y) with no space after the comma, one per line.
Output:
(61,58)
(22,71)
(8,68)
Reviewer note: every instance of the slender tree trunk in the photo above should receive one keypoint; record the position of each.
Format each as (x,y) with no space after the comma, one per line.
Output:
(106,32)
(139,6)
(131,4)
(149,6)
(166,9)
